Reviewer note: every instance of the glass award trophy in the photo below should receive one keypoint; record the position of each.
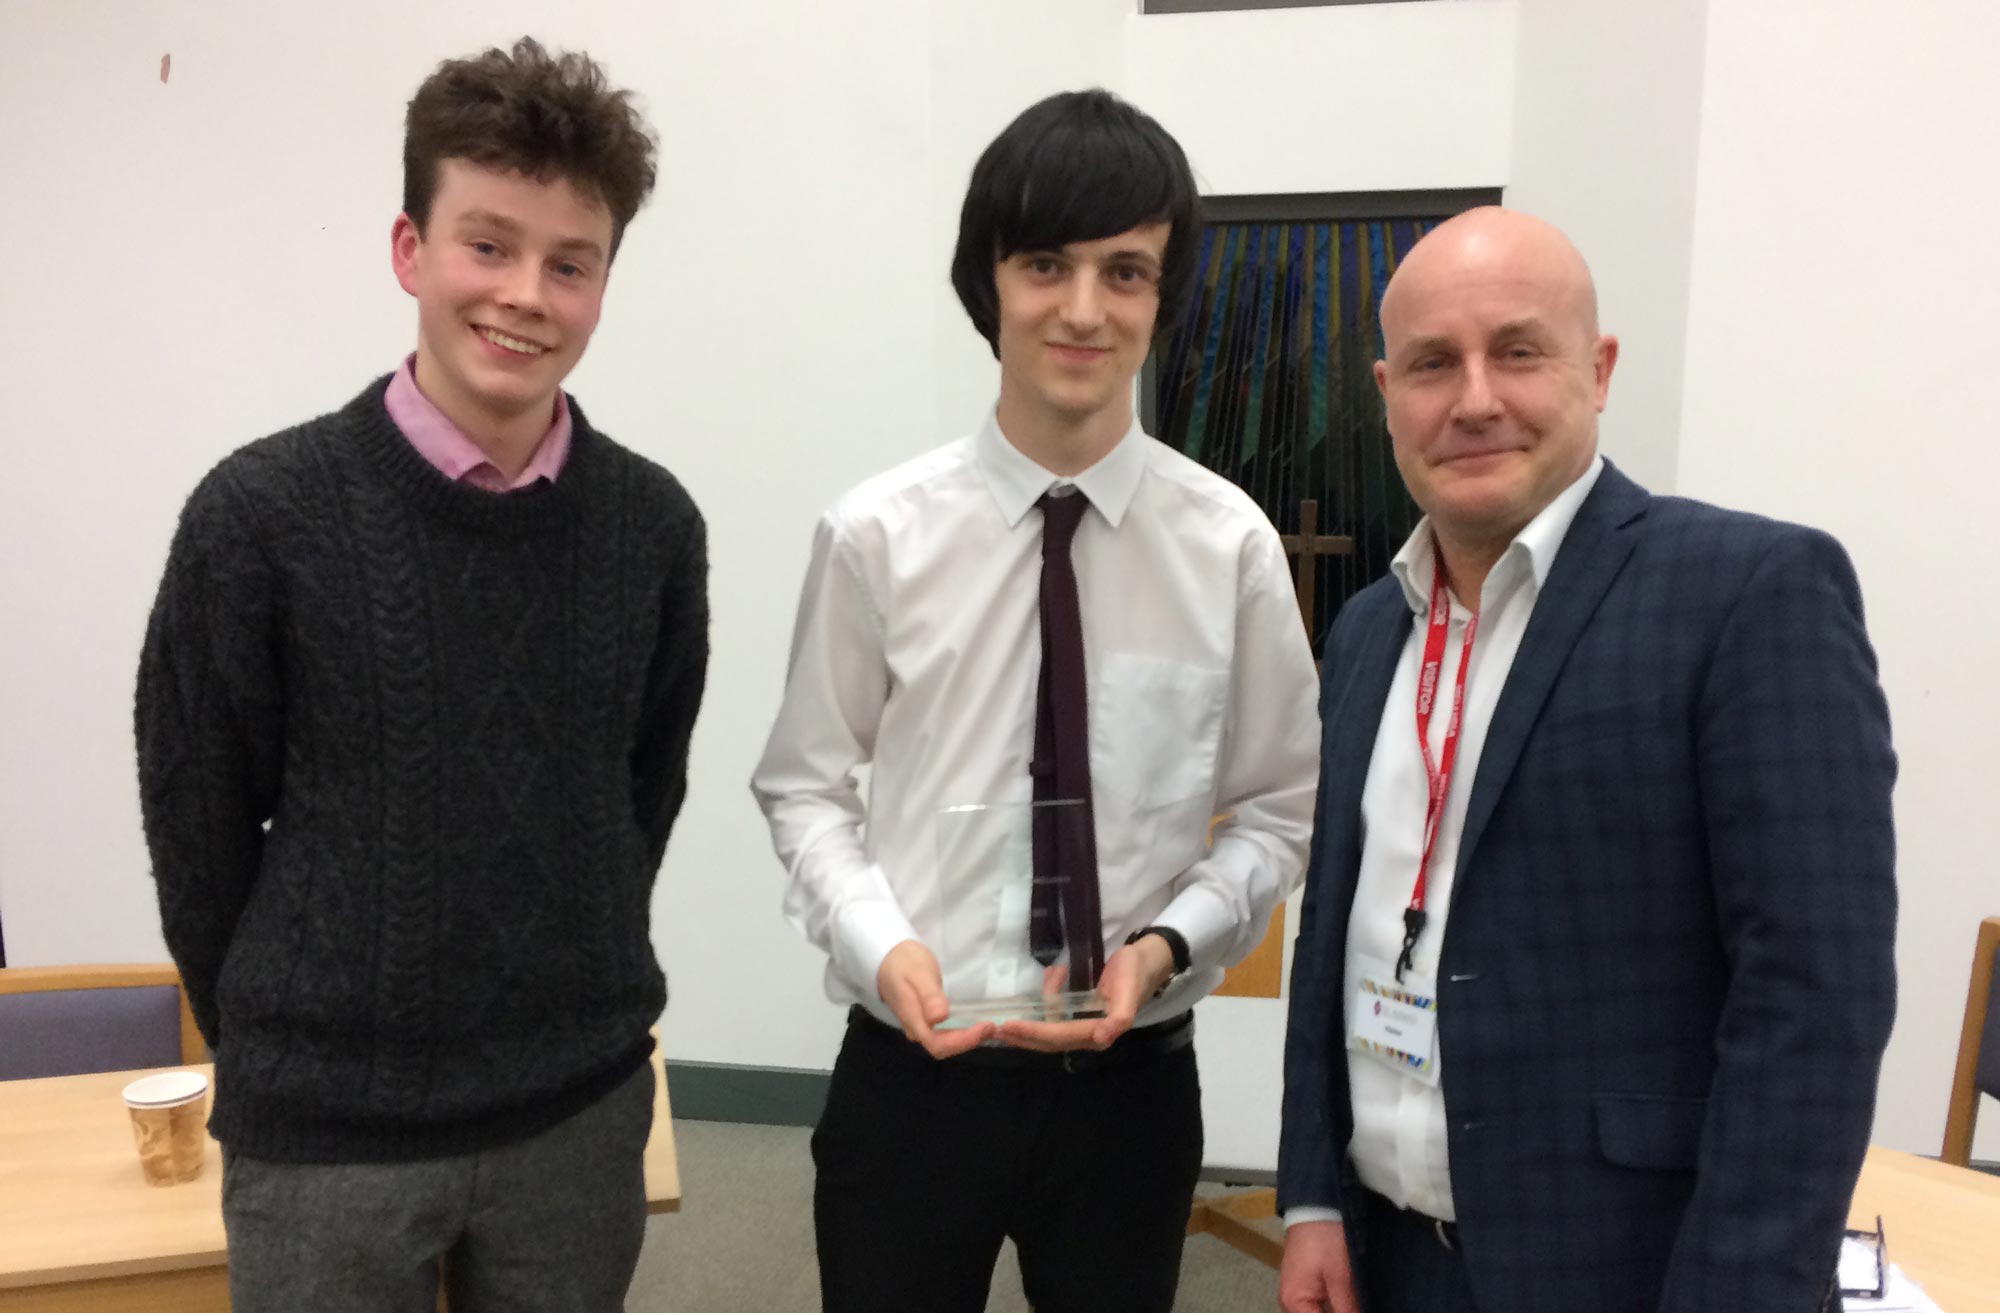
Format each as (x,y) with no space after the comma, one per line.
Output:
(996,966)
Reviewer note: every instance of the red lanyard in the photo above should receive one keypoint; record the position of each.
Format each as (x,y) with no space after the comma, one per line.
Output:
(1436,773)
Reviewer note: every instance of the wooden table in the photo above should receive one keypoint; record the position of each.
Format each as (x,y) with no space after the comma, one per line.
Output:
(80,1229)
(1941,1225)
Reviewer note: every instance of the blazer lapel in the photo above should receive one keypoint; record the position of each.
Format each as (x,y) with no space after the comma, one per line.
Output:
(1592,553)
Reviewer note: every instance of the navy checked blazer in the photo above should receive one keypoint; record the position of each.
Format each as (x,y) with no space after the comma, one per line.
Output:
(1667,975)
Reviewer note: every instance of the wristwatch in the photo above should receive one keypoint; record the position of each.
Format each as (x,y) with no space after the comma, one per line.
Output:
(1177,944)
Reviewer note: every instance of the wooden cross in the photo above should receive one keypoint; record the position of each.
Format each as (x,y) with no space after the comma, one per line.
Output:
(1308,547)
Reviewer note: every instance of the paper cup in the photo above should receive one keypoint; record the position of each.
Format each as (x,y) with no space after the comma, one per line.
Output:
(169,1124)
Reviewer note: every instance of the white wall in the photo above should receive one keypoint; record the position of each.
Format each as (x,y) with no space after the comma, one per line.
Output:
(1607,118)
(1369,98)
(1840,372)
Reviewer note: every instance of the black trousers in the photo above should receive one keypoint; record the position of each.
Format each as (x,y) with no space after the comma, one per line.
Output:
(1403,1262)
(925,1167)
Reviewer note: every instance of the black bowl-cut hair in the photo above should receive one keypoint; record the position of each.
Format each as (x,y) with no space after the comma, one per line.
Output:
(1077,167)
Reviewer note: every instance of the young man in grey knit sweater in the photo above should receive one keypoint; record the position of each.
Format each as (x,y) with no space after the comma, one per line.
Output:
(413,717)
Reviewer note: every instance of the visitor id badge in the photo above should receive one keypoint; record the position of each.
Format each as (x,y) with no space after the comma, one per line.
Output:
(1393,1022)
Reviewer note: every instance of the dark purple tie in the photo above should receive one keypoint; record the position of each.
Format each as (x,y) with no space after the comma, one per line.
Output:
(1065,838)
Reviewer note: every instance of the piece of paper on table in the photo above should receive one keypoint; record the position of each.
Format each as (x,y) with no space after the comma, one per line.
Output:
(1899,1295)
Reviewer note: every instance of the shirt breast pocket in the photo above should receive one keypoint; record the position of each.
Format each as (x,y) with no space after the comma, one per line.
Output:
(1155,730)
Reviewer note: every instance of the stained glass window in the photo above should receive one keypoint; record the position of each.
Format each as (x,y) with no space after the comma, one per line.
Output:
(1268,377)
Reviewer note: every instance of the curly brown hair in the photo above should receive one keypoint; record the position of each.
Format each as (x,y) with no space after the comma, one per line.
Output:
(548,116)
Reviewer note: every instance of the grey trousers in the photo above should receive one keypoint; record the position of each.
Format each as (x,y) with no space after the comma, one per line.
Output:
(550,1225)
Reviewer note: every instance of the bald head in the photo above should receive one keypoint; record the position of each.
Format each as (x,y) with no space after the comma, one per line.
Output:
(1489,246)
(1493,376)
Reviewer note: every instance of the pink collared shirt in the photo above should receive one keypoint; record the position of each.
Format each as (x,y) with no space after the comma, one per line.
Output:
(458,457)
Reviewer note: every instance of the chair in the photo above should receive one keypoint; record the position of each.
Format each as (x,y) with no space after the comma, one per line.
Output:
(1978,1049)
(66,1021)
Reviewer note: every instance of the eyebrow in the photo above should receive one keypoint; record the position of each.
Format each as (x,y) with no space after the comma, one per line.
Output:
(1134,255)
(1423,346)
(1526,326)
(489,219)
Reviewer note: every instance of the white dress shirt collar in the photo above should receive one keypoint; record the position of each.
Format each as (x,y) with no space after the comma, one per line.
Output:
(1415,566)
(1017,482)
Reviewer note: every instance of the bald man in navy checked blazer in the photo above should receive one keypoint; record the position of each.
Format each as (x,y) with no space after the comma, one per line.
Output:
(1636,1037)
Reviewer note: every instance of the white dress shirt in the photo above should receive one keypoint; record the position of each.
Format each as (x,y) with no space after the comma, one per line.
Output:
(917,651)
(1399,1147)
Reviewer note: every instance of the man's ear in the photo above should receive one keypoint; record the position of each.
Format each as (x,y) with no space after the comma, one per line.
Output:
(404,244)
(1604,361)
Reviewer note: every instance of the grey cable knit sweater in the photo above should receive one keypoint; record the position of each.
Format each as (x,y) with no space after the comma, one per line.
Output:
(409,753)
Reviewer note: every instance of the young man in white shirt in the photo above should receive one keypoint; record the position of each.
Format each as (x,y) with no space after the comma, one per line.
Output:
(920,651)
